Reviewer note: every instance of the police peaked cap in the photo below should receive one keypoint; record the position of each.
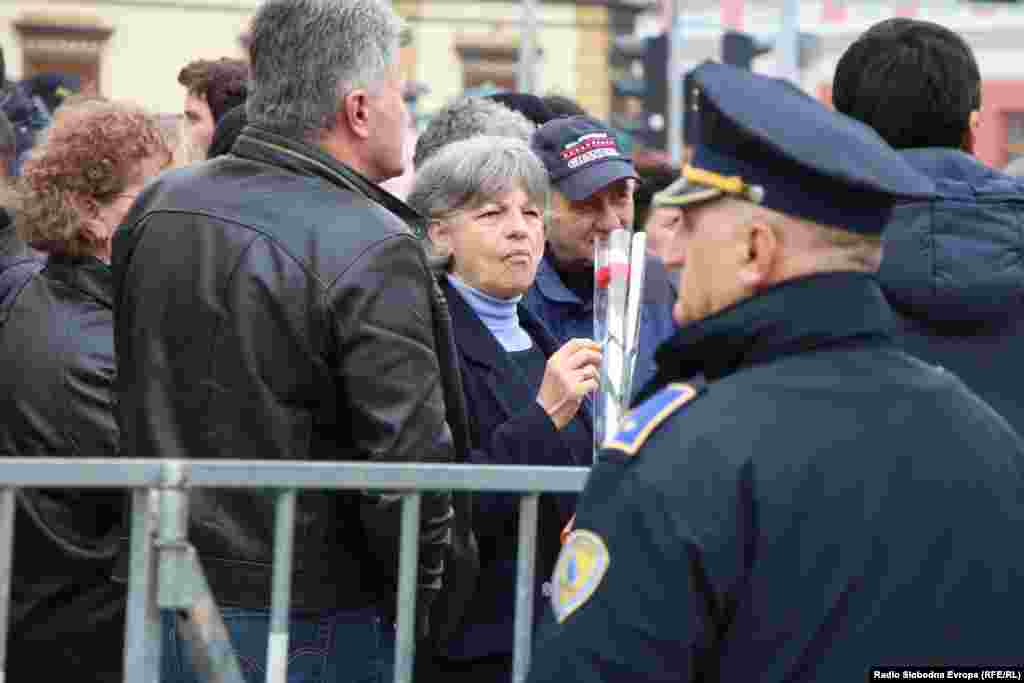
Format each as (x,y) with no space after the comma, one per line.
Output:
(764,140)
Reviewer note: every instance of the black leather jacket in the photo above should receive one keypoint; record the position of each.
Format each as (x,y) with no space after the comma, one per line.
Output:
(56,397)
(18,261)
(271,305)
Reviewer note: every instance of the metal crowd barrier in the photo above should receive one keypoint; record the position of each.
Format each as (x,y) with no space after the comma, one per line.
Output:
(166,574)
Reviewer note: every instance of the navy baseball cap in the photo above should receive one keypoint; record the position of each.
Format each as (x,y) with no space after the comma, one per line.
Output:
(582,155)
(766,141)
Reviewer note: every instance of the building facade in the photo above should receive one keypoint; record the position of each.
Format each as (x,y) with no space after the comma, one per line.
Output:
(992,30)
(133,49)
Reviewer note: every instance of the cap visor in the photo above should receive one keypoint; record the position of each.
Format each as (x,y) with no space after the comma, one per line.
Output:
(594,177)
(685,192)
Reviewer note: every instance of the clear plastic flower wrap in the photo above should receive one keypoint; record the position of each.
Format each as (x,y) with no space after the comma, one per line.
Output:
(617,295)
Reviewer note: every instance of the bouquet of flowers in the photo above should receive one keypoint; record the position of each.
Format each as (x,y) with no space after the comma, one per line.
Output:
(618,290)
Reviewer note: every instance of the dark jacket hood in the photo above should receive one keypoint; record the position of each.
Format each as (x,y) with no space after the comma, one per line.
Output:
(958,258)
(16,105)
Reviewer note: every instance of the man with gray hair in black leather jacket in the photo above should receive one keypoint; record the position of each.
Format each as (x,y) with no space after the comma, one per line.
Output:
(274,303)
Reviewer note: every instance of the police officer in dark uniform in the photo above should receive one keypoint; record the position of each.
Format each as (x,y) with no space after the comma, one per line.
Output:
(821,502)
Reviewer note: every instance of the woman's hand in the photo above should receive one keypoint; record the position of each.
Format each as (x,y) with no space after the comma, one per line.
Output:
(572,372)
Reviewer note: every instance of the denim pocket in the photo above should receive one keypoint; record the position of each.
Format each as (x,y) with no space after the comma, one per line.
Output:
(324,646)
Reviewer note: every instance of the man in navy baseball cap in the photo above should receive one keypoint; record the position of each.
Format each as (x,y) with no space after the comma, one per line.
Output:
(593,182)
(582,156)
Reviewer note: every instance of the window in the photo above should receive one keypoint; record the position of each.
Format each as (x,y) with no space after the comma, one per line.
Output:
(488,62)
(1014,135)
(70,45)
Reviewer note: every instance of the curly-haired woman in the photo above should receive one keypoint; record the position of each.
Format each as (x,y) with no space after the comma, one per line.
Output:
(56,375)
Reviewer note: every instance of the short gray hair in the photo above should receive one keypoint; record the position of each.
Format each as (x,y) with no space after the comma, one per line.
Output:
(835,248)
(306,55)
(467,173)
(468,116)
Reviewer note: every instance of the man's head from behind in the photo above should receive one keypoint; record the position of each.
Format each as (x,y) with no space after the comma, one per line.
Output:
(593,182)
(212,88)
(467,117)
(326,72)
(763,203)
(530,106)
(916,83)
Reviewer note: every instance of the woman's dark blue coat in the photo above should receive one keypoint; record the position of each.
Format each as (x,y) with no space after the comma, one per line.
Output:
(508,427)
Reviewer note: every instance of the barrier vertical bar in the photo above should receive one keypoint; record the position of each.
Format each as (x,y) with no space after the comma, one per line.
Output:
(6,564)
(142,635)
(284,536)
(408,565)
(525,561)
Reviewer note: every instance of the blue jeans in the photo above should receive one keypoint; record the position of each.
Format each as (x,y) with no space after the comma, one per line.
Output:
(324,646)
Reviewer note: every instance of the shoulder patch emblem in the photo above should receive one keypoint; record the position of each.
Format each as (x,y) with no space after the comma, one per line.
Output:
(581,565)
(639,423)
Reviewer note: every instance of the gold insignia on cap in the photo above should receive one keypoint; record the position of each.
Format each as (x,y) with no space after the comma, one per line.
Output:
(711,185)
(581,565)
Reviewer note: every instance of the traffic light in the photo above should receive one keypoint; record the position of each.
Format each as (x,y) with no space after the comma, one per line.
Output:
(656,97)
(640,72)
(626,62)
(639,68)
(740,49)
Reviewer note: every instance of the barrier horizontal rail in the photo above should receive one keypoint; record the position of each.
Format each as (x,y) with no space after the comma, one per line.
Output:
(157,577)
(276,474)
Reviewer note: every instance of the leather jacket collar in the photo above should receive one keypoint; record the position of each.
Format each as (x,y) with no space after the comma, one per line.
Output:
(794,317)
(86,274)
(260,144)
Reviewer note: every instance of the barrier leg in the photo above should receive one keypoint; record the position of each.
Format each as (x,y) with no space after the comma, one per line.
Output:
(182,586)
(205,635)
(526,564)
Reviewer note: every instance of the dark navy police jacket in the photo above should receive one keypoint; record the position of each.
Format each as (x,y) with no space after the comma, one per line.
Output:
(508,427)
(824,504)
(953,268)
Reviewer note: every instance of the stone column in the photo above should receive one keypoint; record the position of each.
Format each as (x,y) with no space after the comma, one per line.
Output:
(593,86)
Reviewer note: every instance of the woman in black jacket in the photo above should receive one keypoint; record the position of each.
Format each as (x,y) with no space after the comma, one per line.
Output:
(485,199)
(56,373)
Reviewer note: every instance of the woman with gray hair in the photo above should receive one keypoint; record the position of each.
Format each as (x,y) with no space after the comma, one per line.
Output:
(485,199)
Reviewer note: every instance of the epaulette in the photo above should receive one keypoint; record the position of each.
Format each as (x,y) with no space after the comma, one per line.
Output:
(639,423)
